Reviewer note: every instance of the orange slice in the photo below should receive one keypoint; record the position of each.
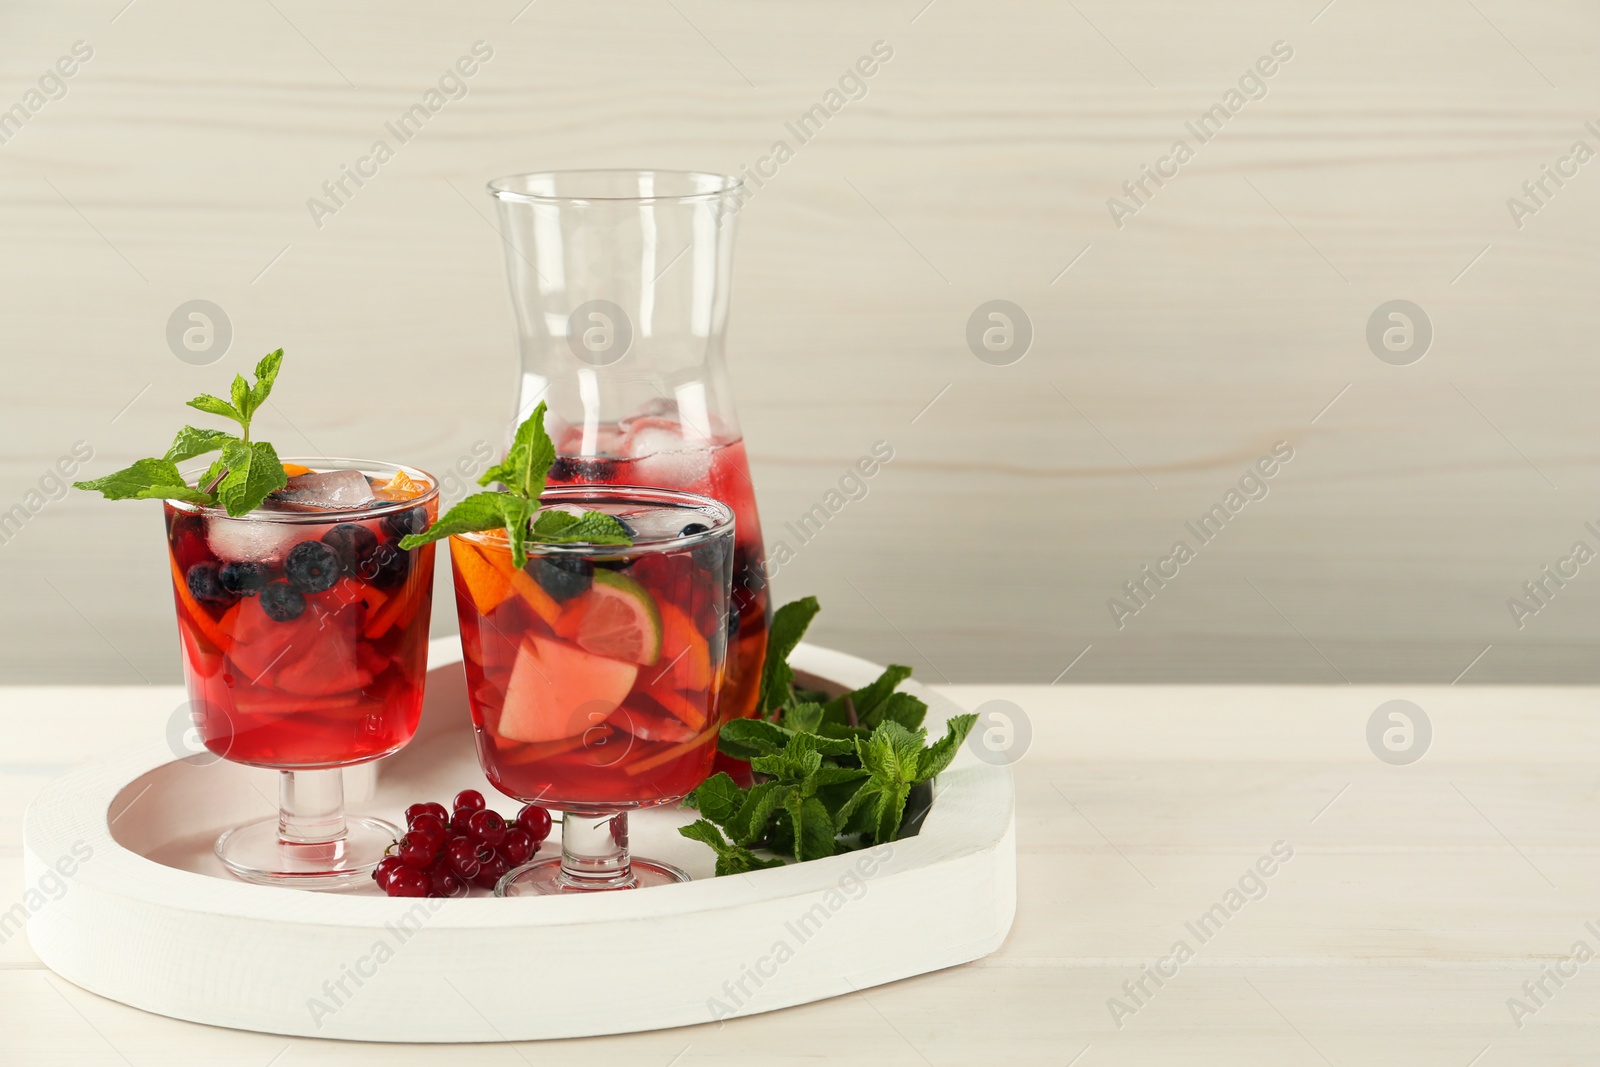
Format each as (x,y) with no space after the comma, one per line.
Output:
(542,603)
(487,584)
(687,653)
(684,709)
(401,487)
(294,470)
(197,614)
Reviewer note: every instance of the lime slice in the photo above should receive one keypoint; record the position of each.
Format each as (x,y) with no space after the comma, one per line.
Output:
(617,617)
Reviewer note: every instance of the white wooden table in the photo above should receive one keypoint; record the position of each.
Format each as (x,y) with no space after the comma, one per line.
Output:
(1417,901)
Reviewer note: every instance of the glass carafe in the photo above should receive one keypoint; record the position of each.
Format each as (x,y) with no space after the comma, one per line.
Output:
(620,280)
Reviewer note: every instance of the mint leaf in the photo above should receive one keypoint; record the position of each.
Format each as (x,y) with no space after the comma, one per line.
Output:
(213,475)
(828,747)
(731,859)
(145,479)
(515,511)
(831,774)
(748,738)
(523,472)
(718,797)
(892,757)
(797,763)
(480,511)
(892,753)
(215,406)
(254,472)
(812,823)
(865,701)
(788,627)
(749,823)
(527,461)
(903,708)
(802,718)
(550,524)
(937,756)
(593,527)
(266,377)
(240,395)
(240,479)
(191,442)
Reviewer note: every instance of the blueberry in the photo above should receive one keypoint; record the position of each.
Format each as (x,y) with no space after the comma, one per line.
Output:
(561,576)
(627,527)
(244,578)
(409,521)
(205,583)
(749,572)
(283,602)
(733,618)
(582,469)
(387,567)
(312,567)
(353,545)
(711,555)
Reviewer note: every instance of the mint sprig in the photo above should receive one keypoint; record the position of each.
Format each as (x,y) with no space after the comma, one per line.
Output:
(522,472)
(831,775)
(244,475)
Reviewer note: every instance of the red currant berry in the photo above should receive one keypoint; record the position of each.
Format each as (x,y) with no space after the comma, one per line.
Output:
(438,811)
(518,847)
(445,883)
(409,882)
(385,870)
(413,811)
(486,826)
(536,821)
(431,827)
(462,855)
(492,871)
(416,850)
(470,799)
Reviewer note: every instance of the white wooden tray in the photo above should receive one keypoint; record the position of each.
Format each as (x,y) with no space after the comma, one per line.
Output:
(152,920)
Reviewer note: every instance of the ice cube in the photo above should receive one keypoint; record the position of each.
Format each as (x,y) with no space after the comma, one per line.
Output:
(664,458)
(646,437)
(251,541)
(329,491)
(655,524)
(657,407)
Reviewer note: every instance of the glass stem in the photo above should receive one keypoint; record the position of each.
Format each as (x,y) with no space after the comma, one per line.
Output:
(311,807)
(594,851)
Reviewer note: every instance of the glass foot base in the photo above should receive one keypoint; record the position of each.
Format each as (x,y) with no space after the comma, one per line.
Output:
(255,853)
(544,877)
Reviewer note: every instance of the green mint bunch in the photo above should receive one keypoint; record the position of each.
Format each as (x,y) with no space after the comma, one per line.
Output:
(245,473)
(832,775)
(522,473)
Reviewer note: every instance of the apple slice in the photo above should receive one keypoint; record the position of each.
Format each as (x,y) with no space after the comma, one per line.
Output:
(324,661)
(558,690)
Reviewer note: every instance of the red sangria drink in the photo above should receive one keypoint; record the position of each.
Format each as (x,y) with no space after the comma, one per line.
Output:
(304,630)
(594,672)
(654,447)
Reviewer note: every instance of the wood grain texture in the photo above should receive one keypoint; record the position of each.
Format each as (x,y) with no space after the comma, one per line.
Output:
(1224,316)
(1418,900)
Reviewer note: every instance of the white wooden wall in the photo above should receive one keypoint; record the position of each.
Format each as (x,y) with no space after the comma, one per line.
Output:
(1226,315)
